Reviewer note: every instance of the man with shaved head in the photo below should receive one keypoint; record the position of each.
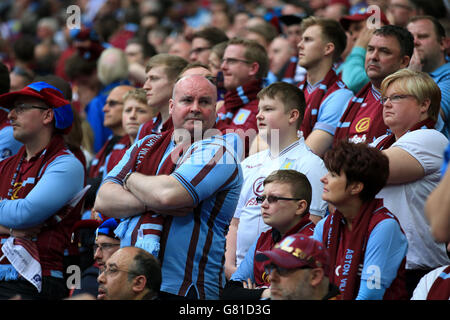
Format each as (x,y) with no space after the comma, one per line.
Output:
(195,182)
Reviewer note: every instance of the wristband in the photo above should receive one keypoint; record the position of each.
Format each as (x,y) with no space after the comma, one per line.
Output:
(124,181)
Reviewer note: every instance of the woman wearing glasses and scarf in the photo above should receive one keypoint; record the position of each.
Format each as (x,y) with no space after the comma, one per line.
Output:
(366,245)
(415,151)
(285,207)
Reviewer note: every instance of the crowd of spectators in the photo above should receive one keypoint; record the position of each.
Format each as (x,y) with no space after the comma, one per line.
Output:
(232,149)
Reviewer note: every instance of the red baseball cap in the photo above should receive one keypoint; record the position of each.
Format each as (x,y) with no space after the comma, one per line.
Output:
(52,96)
(361,16)
(296,251)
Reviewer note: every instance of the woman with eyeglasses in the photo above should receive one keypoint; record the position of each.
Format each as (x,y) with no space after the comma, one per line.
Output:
(411,104)
(285,207)
(366,245)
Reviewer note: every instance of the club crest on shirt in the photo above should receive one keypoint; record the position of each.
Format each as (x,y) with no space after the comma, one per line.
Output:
(241,116)
(287,164)
(16,189)
(5,153)
(362,125)
(258,186)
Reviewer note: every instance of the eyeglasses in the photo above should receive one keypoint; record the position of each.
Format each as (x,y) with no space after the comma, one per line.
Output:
(199,50)
(272,199)
(22,107)
(105,246)
(110,271)
(396,98)
(233,61)
(112,103)
(283,272)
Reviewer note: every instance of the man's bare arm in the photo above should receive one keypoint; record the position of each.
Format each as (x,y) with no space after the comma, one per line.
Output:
(162,194)
(114,201)
(319,142)
(230,252)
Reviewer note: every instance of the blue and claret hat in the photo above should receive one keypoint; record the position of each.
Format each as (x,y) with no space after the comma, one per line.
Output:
(52,96)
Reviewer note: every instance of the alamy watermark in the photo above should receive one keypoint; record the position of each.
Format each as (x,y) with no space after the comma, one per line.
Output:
(73,21)
(374,21)
(73,277)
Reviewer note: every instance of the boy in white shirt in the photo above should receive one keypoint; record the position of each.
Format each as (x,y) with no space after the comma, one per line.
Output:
(280,113)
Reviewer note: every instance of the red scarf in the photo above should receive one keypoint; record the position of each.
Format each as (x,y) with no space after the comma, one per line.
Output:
(287,74)
(100,157)
(151,126)
(267,241)
(389,140)
(78,153)
(146,160)
(239,111)
(328,85)
(369,215)
(237,98)
(149,155)
(118,151)
(10,169)
(55,235)
(440,290)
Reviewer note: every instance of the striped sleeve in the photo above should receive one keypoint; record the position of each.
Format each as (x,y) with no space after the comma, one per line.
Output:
(205,168)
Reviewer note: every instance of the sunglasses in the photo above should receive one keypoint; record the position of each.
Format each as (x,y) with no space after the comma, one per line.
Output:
(272,199)
(113,103)
(283,272)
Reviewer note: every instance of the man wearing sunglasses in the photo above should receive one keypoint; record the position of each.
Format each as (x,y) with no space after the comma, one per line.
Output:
(298,269)
(113,121)
(285,207)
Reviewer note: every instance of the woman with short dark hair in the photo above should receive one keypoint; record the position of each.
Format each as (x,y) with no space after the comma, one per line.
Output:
(365,242)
